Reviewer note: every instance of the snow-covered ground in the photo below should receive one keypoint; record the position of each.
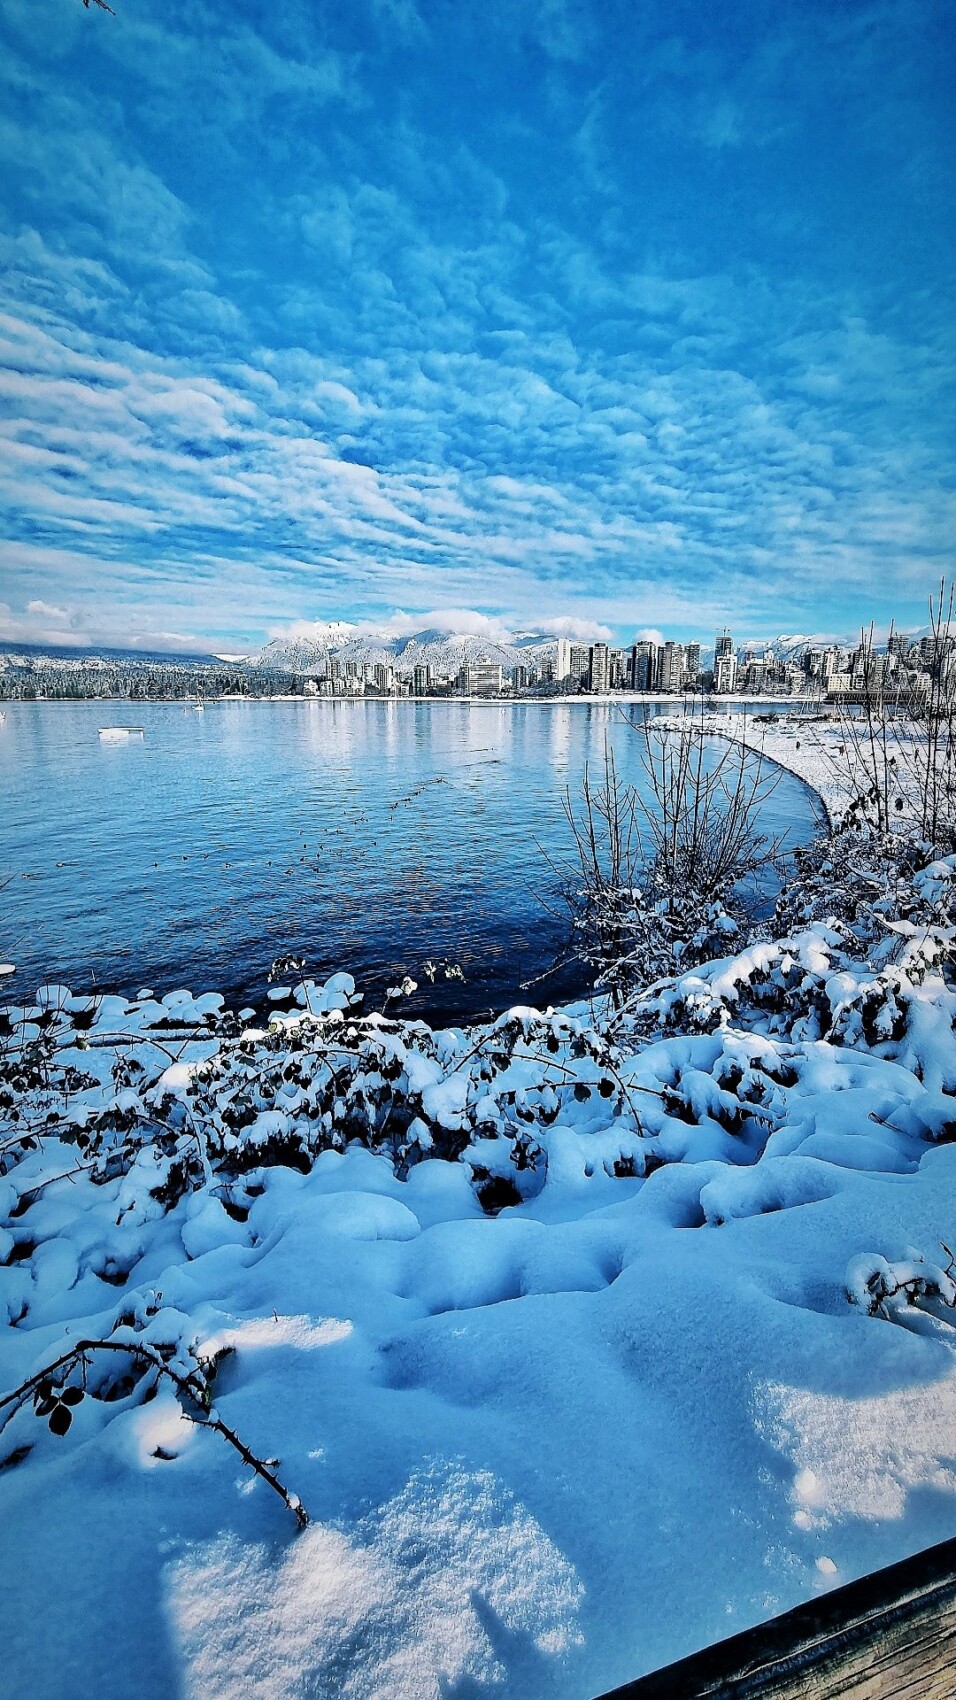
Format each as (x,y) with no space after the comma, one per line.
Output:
(812,746)
(816,746)
(546,1325)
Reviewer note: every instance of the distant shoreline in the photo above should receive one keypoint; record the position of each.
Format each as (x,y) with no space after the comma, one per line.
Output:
(614,698)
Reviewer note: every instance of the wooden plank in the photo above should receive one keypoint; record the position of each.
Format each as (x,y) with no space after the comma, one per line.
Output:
(889,1636)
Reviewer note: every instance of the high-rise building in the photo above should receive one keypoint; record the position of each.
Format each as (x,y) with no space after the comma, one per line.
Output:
(421,680)
(580,662)
(644,666)
(384,676)
(672,667)
(725,673)
(599,674)
(692,664)
(724,646)
(562,659)
(480,678)
(832,664)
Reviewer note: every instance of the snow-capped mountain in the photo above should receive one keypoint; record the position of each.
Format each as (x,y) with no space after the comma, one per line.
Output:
(305,648)
(444,652)
(790,646)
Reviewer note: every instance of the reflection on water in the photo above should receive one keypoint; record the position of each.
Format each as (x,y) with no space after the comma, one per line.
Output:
(370,836)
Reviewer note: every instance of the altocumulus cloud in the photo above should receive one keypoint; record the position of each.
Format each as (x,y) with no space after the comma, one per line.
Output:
(541,314)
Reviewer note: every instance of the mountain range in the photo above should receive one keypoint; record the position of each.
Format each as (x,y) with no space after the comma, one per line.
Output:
(306,650)
(444,652)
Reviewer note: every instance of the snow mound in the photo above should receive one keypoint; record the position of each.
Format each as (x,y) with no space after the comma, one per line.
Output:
(417,1597)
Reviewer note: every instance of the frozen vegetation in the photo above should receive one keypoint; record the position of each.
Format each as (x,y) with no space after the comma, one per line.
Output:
(343,1357)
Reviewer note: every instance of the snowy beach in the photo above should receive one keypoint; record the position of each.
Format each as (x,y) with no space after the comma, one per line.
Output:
(809,745)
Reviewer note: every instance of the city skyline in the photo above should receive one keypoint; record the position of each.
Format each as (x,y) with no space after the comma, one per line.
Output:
(533,312)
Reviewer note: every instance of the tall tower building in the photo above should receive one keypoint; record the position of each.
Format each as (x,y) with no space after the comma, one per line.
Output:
(599,670)
(580,662)
(672,667)
(644,666)
(562,660)
(725,673)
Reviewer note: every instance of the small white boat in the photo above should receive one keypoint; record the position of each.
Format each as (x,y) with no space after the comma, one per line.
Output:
(113,734)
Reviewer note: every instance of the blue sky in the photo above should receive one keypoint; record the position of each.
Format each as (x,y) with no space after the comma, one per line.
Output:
(581,310)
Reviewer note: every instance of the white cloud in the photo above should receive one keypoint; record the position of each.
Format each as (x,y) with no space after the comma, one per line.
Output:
(47,611)
(578,629)
(460,622)
(467,396)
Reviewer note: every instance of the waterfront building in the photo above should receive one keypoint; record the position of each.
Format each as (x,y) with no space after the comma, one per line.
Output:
(599,668)
(672,667)
(421,681)
(562,660)
(725,673)
(644,666)
(833,663)
(481,678)
(580,663)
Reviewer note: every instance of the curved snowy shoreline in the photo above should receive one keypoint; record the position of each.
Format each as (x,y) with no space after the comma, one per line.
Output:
(807,749)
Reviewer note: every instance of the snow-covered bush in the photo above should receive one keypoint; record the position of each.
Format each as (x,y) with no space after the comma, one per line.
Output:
(886,1289)
(155,1155)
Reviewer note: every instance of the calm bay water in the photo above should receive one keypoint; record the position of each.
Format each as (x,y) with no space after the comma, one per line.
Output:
(366,836)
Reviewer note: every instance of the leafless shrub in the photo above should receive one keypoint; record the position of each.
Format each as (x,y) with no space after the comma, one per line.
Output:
(897,751)
(656,869)
(55,1396)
